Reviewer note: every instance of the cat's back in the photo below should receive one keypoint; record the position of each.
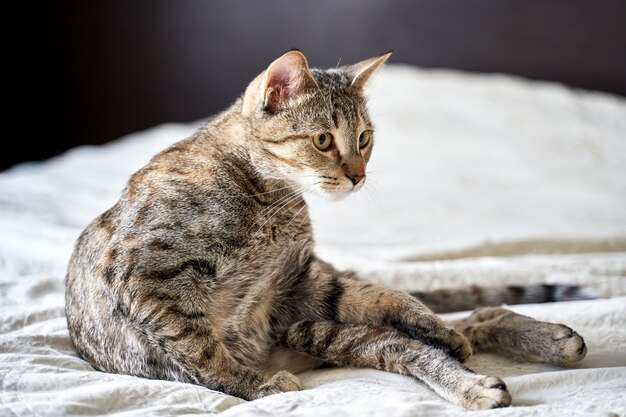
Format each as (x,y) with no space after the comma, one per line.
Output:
(191,186)
(188,208)
(188,193)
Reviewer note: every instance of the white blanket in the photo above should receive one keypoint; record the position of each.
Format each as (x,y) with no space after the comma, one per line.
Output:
(481,179)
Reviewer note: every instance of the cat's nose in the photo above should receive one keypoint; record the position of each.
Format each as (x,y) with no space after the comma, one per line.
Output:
(354,171)
(355,178)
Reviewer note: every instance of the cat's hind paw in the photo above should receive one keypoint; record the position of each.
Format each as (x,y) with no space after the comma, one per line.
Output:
(568,347)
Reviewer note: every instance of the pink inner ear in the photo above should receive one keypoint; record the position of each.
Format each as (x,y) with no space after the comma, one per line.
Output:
(283,81)
(281,84)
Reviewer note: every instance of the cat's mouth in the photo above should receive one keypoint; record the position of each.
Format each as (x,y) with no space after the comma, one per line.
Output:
(336,191)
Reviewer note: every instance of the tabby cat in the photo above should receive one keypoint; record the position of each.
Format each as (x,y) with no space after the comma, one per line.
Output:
(205,272)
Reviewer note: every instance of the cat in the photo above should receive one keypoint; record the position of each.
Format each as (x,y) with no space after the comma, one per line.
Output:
(204,271)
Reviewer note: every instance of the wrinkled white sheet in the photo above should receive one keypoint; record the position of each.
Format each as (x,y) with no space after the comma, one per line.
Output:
(475,179)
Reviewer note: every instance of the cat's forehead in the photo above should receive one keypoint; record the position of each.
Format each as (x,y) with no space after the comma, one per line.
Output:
(329,79)
(344,100)
(337,84)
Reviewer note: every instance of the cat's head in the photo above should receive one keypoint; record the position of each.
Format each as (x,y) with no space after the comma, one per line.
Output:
(313,125)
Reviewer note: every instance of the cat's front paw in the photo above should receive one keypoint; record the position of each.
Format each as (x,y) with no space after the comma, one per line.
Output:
(434,332)
(454,342)
(485,392)
(281,381)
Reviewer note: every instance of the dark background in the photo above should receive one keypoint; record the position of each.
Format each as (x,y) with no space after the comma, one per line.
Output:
(100,69)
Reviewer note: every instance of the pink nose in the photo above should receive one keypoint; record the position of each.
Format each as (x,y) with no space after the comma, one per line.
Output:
(355,171)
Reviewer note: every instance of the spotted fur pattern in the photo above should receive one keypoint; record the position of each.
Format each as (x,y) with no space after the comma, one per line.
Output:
(204,271)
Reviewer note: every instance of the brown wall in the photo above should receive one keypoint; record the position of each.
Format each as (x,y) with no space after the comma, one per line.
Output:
(106,68)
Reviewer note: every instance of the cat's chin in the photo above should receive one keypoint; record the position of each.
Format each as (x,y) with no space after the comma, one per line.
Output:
(332,195)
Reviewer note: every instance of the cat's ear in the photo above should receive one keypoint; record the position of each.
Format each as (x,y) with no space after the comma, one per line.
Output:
(362,71)
(287,78)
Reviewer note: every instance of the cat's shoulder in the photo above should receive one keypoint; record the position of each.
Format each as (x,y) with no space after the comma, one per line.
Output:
(179,165)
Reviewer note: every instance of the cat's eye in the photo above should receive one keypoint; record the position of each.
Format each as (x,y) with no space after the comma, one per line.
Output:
(323,141)
(364,138)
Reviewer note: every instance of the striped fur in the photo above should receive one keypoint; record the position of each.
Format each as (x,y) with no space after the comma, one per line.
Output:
(204,270)
(461,299)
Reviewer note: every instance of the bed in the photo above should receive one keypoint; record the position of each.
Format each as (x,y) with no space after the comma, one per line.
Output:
(484,179)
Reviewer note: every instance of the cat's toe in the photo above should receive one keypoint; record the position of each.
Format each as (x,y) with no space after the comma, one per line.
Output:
(281,381)
(570,346)
(460,346)
(486,393)
(448,339)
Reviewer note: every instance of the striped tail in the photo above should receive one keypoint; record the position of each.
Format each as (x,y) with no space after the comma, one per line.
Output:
(449,300)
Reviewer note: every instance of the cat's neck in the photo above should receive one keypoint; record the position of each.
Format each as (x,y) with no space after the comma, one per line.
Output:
(234,136)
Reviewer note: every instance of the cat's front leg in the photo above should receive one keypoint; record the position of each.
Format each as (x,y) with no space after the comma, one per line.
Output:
(386,349)
(350,300)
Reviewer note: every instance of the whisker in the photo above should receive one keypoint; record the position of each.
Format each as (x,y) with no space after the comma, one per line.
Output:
(279,209)
(280,200)
(297,228)
(368,196)
(372,194)
(266,221)
(271,191)
(280,204)
(293,218)
(275,207)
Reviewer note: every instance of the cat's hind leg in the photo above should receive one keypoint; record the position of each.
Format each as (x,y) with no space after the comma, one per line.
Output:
(182,335)
(346,299)
(387,349)
(503,331)
(216,369)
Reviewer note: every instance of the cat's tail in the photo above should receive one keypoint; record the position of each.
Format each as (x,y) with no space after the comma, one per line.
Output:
(449,300)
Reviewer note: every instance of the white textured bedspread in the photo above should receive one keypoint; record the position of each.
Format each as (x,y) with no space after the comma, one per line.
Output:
(481,179)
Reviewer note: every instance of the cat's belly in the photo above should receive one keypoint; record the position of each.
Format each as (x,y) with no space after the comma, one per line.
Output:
(282,358)
(260,297)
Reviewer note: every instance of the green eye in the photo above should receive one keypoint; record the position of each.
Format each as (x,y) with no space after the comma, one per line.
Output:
(323,141)
(364,138)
